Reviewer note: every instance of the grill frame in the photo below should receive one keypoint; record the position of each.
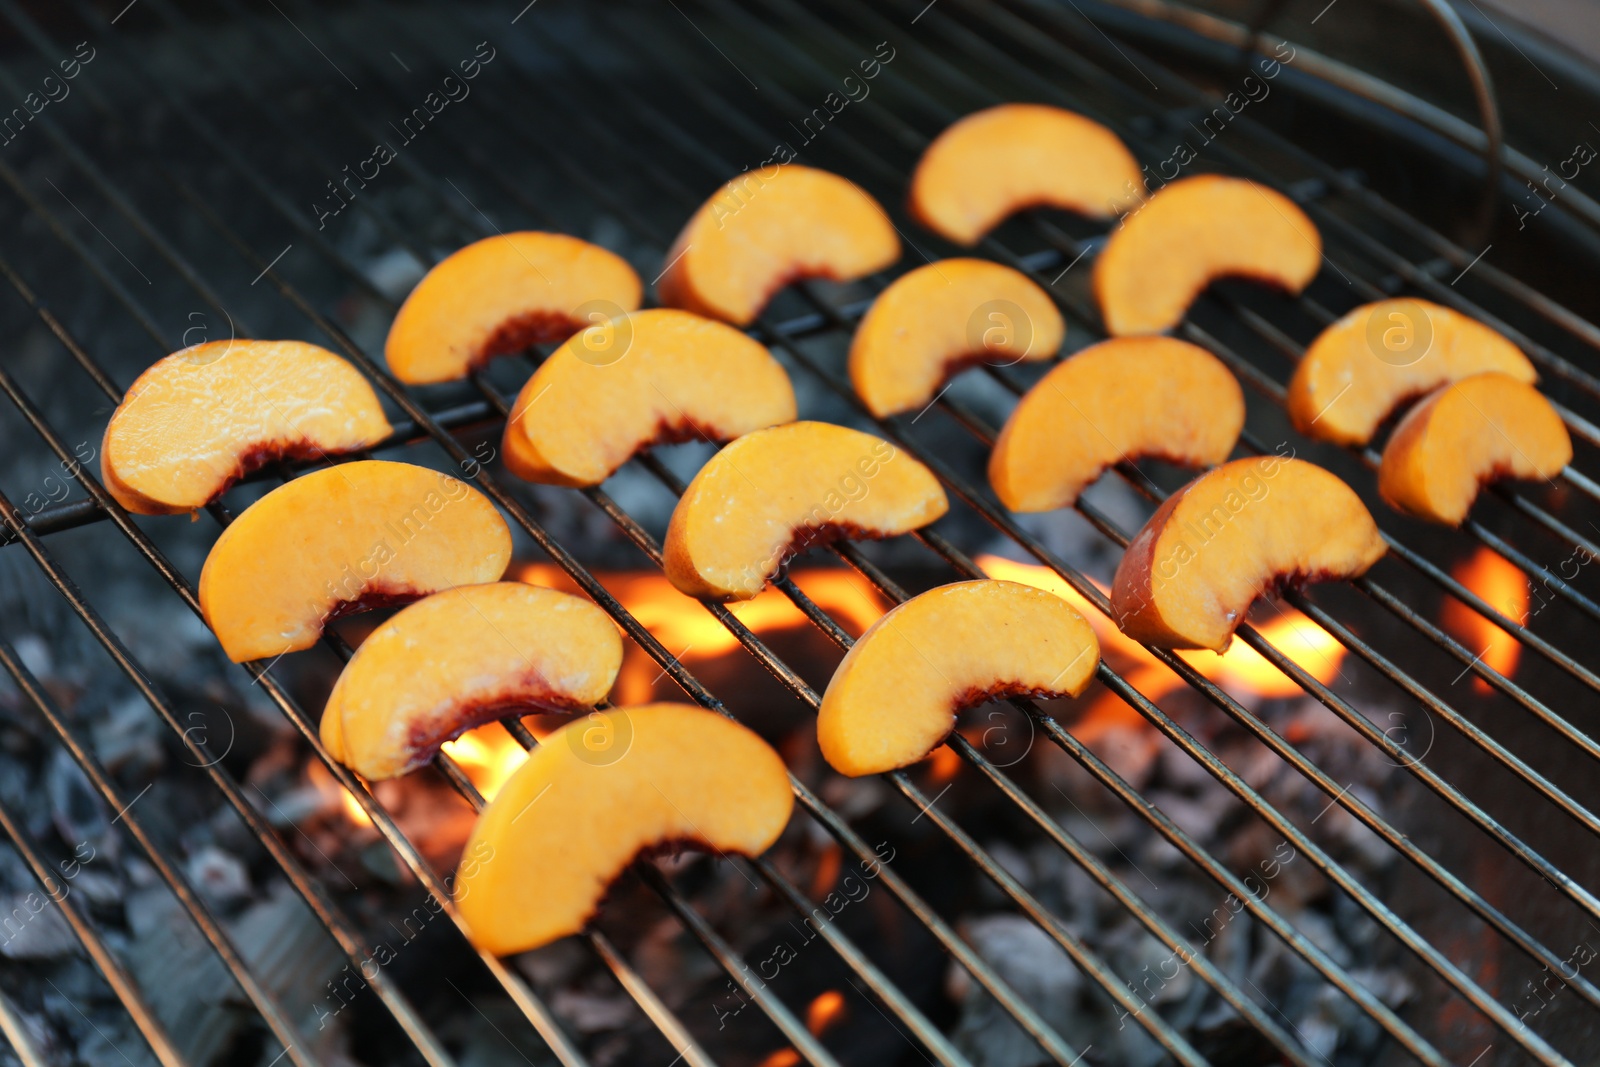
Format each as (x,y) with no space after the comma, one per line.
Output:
(782,336)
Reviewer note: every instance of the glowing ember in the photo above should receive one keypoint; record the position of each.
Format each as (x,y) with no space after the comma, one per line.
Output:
(784,1057)
(826,1010)
(944,763)
(1505,588)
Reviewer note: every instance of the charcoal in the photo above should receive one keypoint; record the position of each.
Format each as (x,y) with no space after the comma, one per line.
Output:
(1032,964)
(217,876)
(33,928)
(128,739)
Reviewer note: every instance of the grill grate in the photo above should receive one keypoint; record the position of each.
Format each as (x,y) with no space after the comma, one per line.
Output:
(960,36)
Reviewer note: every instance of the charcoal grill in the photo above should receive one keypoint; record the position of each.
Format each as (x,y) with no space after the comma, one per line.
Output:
(636,115)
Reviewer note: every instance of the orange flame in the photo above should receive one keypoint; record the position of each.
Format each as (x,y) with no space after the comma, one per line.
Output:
(1503,585)
(352,807)
(1311,647)
(488,755)
(324,781)
(784,1057)
(826,1010)
(689,631)
(1240,668)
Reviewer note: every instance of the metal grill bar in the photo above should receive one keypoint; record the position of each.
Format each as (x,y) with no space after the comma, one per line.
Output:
(657,117)
(20,531)
(869,977)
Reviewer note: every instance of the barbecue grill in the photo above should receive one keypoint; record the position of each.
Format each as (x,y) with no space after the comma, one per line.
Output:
(202,177)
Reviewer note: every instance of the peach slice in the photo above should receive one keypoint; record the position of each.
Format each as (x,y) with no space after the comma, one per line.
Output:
(1363,367)
(772,493)
(341,540)
(1014,156)
(762,231)
(1464,435)
(895,695)
(1122,399)
(1244,530)
(461,658)
(1192,232)
(647,378)
(940,318)
(600,792)
(202,418)
(500,295)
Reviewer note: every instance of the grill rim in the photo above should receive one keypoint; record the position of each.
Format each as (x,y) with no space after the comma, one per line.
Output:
(18,533)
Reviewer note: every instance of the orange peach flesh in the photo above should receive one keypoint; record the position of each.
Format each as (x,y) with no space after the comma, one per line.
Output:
(1240,531)
(937,319)
(347,538)
(648,378)
(1464,435)
(763,230)
(500,295)
(461,658)
(201,419)
(1192,232)
(773,490)
(895,695)
(1363,367)
(1003,159)
(1122,399)
(596,794)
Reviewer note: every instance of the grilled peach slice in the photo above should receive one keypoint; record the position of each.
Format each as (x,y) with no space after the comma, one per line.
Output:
(772,493)
(1244,530)
(1122,399)
(461,658)
(500,295)
(651,377)
(940,318)
(1003,159)
(1464,435)
(762,231)
(201,419)
(341,540)
(1363,367)
(600,792)
(1192,232)
(894,697)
